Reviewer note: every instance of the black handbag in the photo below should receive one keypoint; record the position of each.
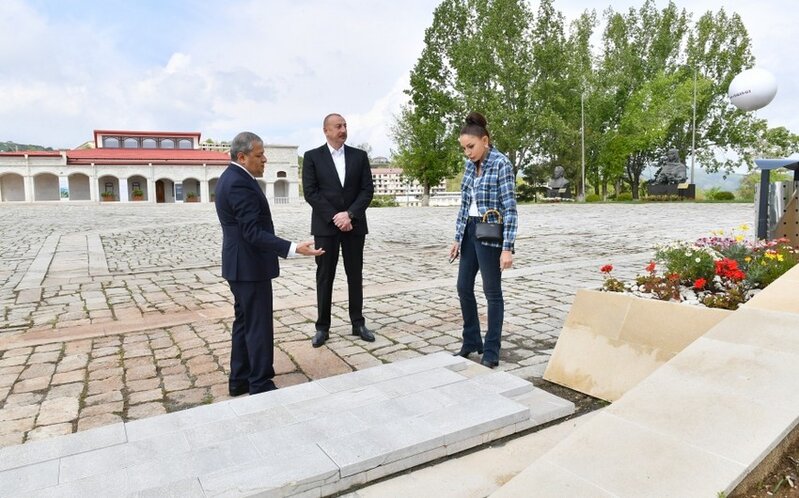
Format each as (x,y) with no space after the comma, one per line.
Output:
(489,232)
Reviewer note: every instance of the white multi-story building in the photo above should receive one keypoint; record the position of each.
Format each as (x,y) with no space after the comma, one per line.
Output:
(126,166)
(390,181)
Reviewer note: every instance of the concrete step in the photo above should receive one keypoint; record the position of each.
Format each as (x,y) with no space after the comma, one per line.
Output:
(313,439)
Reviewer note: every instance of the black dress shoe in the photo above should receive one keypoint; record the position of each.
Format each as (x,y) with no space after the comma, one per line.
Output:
(365,333)
(238,390)
(269,386)
(319,338)
(489,363)
(466,352)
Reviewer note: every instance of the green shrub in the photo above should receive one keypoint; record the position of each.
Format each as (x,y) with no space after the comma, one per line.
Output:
(593,198)
(624,196)
(383,201)
(723,196)
(663,198)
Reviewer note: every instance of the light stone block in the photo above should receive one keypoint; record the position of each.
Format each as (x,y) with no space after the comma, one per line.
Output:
(480,439)
(286,396)
(462,391)
(112,484)
(503,383)
(332,404)
(421,381)
(428,362)
(612,341)
(549,480)
(475,417)
(405,463)
(49,449)
(22,480)
(359,378)
(307,432)
(106,460)
(774,330)
(280,473)
(707,417)
(172,422)
(195,462)
(412,405)
(251,423)
(185,488)
(545,407)
(626,459)
(762,375)
(367,449)
(780,295)
(337,485)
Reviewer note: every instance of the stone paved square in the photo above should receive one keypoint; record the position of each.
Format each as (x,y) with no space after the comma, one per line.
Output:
(148,333)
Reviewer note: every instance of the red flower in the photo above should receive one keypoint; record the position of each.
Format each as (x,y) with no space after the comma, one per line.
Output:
(606,269)
(700,283)
(673,277)
(650,267)
(728,268)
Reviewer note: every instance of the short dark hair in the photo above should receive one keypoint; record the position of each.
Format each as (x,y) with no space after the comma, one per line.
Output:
(324,121)
(244,142)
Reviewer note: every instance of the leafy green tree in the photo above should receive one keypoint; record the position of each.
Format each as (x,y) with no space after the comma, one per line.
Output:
(424,150)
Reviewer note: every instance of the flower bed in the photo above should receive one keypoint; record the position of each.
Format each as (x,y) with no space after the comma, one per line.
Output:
(718,272)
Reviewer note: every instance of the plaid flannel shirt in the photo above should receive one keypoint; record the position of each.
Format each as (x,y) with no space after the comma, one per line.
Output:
(496,191)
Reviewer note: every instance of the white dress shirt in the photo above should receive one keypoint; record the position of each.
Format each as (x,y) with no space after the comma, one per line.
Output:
(338,160)
(293,249)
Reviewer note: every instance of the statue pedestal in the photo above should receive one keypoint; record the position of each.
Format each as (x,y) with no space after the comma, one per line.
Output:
(682,190)
(559,193)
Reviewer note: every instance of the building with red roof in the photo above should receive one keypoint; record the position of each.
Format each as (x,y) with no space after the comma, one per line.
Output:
(128,166)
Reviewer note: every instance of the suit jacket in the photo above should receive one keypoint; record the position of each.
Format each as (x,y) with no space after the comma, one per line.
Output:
(249,246)
(324,192)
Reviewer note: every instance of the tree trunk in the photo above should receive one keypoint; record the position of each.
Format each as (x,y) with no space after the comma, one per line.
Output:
(426,194)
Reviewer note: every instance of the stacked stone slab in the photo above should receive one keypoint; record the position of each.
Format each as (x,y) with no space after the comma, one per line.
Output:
(697,425)
(316,438)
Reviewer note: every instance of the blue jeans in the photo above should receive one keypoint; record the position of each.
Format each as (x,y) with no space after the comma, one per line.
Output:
(475,256)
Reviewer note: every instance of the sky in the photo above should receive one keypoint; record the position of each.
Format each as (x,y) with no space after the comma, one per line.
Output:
(274,67)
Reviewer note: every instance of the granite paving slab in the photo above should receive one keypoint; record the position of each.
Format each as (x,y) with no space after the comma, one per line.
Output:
(311,439)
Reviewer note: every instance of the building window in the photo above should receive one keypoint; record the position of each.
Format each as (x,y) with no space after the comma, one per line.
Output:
(167,143)
(111,142)
(184,143)
(148,143)
(131,143)
(281,174)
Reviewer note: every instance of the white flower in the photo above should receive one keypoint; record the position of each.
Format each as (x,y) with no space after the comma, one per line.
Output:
(698,260)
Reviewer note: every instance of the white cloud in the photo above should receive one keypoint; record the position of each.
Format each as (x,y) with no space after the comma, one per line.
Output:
(275,68)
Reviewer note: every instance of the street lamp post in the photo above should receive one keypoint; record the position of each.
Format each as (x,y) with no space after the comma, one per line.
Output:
(693,132)
(582,143)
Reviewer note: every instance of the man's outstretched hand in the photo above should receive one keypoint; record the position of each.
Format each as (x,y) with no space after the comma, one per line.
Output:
(307,249)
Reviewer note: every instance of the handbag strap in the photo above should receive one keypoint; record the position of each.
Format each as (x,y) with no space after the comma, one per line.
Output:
(489,211)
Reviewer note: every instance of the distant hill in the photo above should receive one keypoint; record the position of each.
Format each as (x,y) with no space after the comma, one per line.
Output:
(729,182)
(13,147)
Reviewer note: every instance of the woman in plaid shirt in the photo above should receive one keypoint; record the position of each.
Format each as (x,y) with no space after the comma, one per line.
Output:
(488,183)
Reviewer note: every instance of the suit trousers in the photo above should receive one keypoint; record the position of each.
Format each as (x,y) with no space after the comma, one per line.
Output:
(352,250)
(252,354)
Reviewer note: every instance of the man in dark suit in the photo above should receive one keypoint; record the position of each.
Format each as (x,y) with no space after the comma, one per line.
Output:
(337,183)
(249,263)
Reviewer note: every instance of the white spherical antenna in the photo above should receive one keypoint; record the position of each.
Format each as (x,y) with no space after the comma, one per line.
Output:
(752,89)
